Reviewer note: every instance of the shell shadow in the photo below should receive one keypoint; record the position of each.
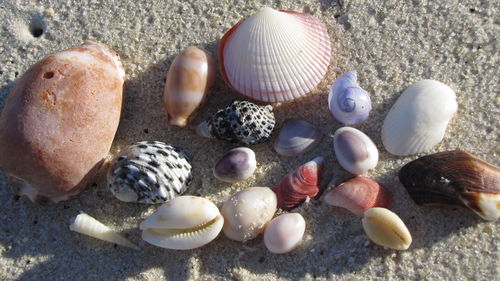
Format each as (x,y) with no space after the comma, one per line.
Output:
(4,92)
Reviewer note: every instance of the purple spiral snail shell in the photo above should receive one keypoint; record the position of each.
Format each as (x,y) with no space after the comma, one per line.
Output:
(348,103)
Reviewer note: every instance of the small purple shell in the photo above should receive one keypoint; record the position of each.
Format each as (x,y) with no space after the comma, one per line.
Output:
(348,103)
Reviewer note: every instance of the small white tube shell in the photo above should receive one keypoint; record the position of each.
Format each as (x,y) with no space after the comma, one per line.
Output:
(87,225)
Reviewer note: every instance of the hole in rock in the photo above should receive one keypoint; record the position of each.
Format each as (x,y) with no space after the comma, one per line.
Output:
(48,75)
(37,26)
(36,31)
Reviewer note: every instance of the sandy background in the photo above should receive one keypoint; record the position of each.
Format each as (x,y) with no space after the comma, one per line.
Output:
(390,43)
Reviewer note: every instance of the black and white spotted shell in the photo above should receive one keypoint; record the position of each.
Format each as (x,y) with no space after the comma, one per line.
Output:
(242,121)
(149,172)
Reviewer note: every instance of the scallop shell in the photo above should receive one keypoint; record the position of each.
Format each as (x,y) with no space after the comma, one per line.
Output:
(188,84)
(242,121)
(296,137)
(418,119)
(348,102)
(275,55)
(355,151)
(455,178)
(183,223)
(87,225)
(149,172)
(359,194)
(247,213)
(236,165)
(60,119)
(284,233)
(300,184)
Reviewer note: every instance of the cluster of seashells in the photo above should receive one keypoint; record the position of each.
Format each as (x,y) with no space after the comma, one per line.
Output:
(256,65)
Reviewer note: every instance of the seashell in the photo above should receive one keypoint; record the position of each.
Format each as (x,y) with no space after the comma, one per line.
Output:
(359,194)
(149,172)
(183,223)
(418,119)
(236,165)
(87,225)
(355,151)
(296,137)
(455,178)
(275,56)
(300,184)
(284,233)
(348,102)
(60,119)
(188,84)
(242,121)
(386,229)
(247,213)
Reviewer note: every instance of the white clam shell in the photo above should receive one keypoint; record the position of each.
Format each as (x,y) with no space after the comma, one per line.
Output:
(247,212)
(284,233)
(87,225)
(275,55)
(185,222)
(418,119)
(355,151)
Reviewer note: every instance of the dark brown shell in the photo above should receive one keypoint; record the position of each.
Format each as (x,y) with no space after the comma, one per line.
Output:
(455,178)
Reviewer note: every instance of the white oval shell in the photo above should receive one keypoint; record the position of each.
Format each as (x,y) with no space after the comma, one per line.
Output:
(235,165)
(418,119)
(296,137)
(386,229)
(247,212)
(275,55)
(284,233)
(185,222)
(357,153)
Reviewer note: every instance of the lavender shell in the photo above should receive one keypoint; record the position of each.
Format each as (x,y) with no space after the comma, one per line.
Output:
(349,103)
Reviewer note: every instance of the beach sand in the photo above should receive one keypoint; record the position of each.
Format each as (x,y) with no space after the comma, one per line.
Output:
(391,44)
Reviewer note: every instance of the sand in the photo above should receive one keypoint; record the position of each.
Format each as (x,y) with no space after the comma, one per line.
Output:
(391,44)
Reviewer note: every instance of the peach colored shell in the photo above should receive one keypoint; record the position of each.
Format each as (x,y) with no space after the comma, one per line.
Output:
(60,120)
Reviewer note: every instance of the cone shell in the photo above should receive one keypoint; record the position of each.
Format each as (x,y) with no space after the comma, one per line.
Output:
(241,121)
(359,194)
(247,213)
(284,233)
(149,172)
(188,84)
(60,119)
(275,56)
(355,151)
(418,119)
(454,178)
(299,184)
(183,223)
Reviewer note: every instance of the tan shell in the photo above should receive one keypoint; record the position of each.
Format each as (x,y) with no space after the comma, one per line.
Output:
(386,229)
(189,80)
(247,212)
(60,120)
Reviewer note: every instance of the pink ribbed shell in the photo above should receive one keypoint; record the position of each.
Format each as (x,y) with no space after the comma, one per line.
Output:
(275,56)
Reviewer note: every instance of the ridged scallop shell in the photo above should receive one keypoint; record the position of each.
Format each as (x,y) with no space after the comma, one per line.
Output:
(241,121)
(296,137)
(149,172)
(275,55)
(359,194)
(60,119)
(300,184)
(183,223)
(284,233)
(348,102)
(247,212)
(235,165)
(455,178)
(418,119)
(188,84)
(355,151)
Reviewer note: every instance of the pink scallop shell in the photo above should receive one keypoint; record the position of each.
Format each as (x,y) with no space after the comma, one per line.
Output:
(275,66)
